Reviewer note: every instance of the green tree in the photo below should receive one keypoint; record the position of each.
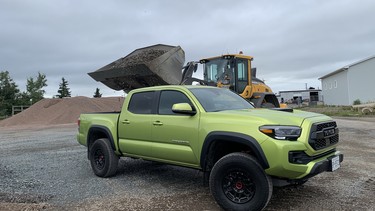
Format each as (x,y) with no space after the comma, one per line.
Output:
(63,89)
(97,93)
(9,93)
(357,102)
(34,89)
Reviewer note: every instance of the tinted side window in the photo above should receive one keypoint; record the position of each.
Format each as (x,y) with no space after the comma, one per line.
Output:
(168,98)
(141,103)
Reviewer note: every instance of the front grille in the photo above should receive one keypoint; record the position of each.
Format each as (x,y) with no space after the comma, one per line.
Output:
(334,139)
(321,126)
(323,135)
(320,143)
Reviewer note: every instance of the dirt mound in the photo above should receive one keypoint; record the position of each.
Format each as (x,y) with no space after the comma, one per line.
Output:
(62,111)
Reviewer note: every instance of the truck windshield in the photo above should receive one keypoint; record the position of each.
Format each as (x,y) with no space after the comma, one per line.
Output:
(218,99)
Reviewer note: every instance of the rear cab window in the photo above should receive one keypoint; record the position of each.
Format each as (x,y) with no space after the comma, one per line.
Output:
(141,103)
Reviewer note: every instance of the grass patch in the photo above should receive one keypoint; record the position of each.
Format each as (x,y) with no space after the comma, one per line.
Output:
(344,111)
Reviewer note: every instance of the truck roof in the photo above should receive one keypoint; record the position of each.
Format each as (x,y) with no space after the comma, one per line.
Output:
(152,88)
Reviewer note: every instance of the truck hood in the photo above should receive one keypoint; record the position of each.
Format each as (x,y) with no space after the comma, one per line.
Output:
(269,116)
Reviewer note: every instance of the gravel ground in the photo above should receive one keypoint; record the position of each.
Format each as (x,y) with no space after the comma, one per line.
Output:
(46,169)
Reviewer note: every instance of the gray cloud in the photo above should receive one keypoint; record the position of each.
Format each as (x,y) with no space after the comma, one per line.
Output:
(293,43)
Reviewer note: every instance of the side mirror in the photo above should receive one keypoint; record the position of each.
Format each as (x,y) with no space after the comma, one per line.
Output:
(183,108)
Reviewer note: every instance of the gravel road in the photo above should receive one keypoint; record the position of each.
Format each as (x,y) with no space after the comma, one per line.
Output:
(46,169)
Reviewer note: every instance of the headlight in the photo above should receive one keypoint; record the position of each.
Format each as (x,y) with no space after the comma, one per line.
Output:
(282,132)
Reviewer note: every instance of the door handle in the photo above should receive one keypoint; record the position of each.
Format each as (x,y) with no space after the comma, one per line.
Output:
(157,123)
(125,122)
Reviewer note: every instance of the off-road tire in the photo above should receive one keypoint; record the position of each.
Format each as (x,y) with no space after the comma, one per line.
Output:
(238,182)
(103,160)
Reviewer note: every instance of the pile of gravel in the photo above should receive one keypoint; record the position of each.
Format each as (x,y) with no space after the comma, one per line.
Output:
(62,111)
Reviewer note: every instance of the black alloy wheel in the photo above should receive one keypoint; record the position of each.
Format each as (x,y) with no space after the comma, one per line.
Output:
(238,186)
(238,182)
(103,159)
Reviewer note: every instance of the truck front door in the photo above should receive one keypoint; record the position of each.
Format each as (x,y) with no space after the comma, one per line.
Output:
(175,136)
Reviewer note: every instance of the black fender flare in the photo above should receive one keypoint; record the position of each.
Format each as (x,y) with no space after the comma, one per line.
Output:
(102,129)
(240,138)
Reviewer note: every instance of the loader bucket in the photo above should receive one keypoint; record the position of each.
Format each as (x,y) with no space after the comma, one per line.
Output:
(149,66)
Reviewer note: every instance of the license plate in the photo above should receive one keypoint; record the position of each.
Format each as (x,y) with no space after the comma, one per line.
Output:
(335,163)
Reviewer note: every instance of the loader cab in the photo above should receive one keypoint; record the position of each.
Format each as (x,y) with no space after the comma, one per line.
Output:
(233,71)
(228,71)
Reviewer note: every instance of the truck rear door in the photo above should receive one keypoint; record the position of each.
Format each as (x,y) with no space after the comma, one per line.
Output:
(134,127)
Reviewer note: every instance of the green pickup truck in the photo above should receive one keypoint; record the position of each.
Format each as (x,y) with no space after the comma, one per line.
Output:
(242,151)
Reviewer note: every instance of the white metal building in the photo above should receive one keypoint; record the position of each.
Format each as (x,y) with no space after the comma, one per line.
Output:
(349,83)
(307,95)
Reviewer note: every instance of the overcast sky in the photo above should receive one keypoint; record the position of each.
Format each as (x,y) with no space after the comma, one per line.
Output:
(292,42)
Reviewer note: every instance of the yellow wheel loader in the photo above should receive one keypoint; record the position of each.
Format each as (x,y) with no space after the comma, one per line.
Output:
(162,64)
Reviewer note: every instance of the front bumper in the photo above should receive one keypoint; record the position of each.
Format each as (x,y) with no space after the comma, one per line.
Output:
(322,166)
(319,167)
(288,160)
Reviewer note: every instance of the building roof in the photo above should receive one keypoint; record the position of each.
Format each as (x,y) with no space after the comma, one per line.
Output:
(302,90)
(346,67)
